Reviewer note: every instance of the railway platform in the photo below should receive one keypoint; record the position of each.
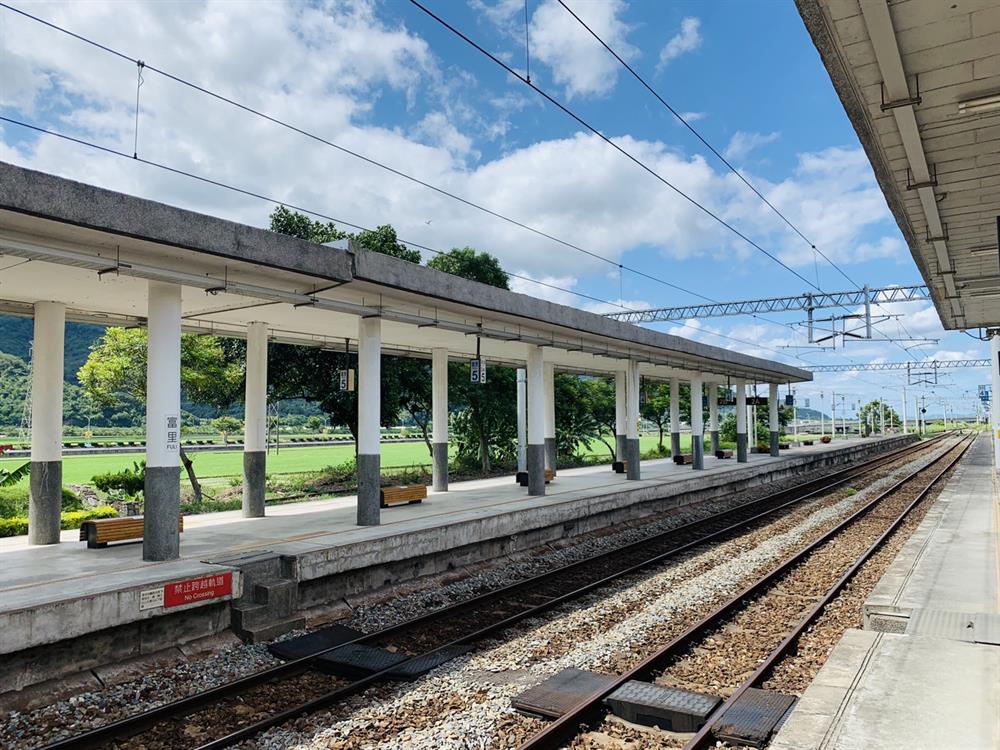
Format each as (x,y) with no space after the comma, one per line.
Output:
(924,672)
(259,575)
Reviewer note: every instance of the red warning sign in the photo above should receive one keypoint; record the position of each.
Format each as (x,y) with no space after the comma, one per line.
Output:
(197,589)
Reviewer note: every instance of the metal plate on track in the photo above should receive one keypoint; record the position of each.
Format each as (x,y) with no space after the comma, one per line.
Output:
(355,660)
(955,626)
(559,693)
(421,665)
(313,643)
(987,628)
(753,718)
(670,708)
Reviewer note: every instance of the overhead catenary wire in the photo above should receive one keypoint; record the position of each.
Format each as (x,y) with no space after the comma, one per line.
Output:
(816,250)
(143,65)
(631,157)
(343,222)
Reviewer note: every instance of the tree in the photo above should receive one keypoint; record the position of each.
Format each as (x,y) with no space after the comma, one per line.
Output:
(655,407)
(599,396)
(470,264)
(226,425)
(117,365)
(383,240)
(314,423)
(870,416)
(727,428)
(295,224)
(577,412)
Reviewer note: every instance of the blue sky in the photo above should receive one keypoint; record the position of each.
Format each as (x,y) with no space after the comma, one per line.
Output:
(384,79)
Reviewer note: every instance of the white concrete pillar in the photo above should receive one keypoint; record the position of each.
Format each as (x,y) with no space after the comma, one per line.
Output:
(550,416)
(741,420)
(697,425)
(675,416)
(536,420)
(994,395)
(161,538)
(255,422)
(522,420)
(621,415)
(713,416)
(632,452)
(904,411)
(45,479)
(772,416)
(439,418)
(369,384)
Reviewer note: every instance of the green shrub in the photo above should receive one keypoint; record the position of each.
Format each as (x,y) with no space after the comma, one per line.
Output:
(130,481)
(18,525)
(14,501)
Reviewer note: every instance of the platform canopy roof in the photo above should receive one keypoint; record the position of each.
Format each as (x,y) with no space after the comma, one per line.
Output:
(95,249)
(920,80)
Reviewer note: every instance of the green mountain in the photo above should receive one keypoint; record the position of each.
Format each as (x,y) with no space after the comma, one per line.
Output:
(16,334)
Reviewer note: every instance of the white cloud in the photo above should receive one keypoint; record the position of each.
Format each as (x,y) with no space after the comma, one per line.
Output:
(686,40)
(576,59)
(741,144)
(694,116)
(435,129)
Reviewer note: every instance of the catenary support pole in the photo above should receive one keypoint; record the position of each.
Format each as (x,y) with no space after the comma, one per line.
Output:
(522,419)
(162,506)
(741,421)
(369,420)
(536,420)
(550,416)
(697,425)
(45,478)
(713,417)
(774,424)
(439,418)
(904,410)
(675,416)
(255,422)
(632,452)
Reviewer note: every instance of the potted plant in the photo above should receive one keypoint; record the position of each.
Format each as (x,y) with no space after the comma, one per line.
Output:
(825,439)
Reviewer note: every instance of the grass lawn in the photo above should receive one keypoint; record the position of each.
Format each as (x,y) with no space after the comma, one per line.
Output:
(224,464)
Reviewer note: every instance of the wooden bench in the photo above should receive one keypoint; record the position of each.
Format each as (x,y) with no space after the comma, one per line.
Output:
(683,458)
(807,442)
(784,446)
(406,494)
(522,477)
(99,532)
(619,467)
(723,454)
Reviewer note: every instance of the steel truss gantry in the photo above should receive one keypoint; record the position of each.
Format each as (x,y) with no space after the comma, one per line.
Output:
(930,364)
(809,301)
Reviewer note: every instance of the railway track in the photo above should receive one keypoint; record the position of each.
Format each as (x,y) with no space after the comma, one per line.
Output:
(439,635)
(798,590)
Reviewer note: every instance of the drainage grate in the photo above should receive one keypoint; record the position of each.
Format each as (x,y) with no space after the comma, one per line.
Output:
(559,693)
(421,665)
(356,660)
(313,643)
(753,717)
(669,708)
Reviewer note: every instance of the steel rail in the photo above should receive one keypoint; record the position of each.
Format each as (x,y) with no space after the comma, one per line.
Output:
(703,736)
(563,729)
(141,722)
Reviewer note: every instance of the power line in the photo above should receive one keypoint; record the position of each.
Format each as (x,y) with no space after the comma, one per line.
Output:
(359,227)
(631,157)
(350,152)
(718,155)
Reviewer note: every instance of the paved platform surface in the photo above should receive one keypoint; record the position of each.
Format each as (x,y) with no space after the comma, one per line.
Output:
(322,538)
(929,676)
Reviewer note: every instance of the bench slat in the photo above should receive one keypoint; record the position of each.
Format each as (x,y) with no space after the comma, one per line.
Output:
(413,493)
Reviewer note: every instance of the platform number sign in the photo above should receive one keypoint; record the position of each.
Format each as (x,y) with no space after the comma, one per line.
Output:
(346,380)
(173,432)
(985,391)
(477,371)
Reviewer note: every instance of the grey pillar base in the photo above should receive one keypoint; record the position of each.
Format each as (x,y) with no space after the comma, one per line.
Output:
(675,443)
(714,437)
(161,539)
(550,453)
(697,451)
(440,480)
(620,447)
(536,469)
(741,447)
(774,444)
(45,502)
(254,472)
(632,455)
(369,489)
